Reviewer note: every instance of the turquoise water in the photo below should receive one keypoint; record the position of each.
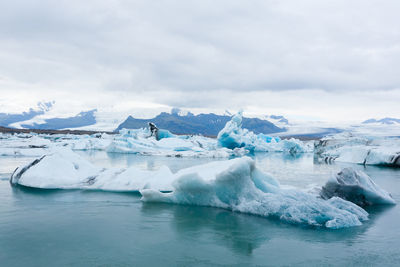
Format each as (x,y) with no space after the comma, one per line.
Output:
(94,228)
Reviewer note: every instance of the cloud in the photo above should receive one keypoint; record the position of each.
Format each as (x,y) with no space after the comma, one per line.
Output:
(199,54)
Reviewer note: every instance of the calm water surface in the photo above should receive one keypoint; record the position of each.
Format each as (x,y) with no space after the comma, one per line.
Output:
(94,228)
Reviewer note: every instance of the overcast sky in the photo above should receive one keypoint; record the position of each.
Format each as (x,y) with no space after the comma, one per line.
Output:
(329,60)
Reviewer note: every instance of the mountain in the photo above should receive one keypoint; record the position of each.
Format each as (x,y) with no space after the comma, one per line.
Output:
(8,118)
(277,120)
(84,118)
(205,124)
(383,121)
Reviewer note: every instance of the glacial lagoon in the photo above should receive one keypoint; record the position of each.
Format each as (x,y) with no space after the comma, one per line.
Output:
(92,228)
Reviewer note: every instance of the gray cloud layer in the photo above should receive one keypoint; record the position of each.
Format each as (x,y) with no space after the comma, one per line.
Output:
(184,53)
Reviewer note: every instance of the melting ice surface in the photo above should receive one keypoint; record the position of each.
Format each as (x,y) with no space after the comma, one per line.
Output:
(236,184)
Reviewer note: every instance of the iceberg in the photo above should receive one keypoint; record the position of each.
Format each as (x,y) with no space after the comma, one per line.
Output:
(234,136)
(346,147)
(64,169)
(137,141)
(233,141)
(237,185)
(357,187)
(142,141)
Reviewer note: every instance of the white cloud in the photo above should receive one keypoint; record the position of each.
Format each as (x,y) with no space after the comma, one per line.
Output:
(324,59)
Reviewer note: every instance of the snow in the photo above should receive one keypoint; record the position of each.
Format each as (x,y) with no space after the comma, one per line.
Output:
(234,136)
(348,147)
(357,187)
(238,185)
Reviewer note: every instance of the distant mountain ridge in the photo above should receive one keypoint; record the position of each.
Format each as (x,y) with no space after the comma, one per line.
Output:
(205,124)
(84,118)
(383,121)
(9,118)
(277,120)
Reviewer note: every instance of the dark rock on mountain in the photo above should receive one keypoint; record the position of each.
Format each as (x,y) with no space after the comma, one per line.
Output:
(205,124)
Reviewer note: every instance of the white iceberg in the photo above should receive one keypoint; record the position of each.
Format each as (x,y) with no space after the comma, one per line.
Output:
(357,187)
(238,185)
(64,169)
(346,147)
(234,136)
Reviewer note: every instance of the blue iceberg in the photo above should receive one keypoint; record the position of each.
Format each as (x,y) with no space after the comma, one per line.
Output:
(237,185)
(234,136)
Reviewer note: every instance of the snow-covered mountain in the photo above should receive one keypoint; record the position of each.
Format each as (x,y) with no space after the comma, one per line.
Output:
(47,115)
(205,124)
(84,118)
(6,119)
(388,121)
(278,120)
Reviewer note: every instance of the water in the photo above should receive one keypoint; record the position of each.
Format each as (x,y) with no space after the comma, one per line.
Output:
(92,228)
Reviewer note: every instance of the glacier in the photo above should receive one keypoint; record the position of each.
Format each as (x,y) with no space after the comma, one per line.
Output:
(366,150)
(357,187)
(234,136)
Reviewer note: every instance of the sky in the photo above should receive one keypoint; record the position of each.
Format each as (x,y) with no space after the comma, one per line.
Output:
(313,60)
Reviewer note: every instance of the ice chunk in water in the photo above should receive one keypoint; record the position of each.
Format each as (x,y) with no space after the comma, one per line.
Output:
(357,187)
(238,185)
(234,136)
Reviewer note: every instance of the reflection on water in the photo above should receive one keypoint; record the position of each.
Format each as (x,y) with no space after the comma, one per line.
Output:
(76,227)
(244,233)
